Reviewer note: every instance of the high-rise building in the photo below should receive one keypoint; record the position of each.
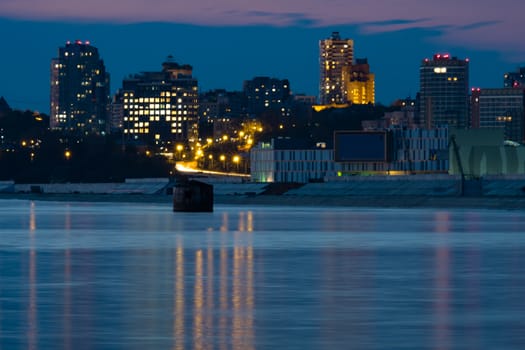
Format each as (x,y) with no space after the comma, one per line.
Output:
(335,55)
(161,108)
(79,90)
(500,108)
(514,79)
(444,91)
(267,94)
(360,83)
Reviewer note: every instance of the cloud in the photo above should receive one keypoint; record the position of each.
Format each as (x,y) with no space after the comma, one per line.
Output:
(472,23)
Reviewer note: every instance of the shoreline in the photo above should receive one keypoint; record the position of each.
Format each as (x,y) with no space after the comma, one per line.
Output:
(409,201)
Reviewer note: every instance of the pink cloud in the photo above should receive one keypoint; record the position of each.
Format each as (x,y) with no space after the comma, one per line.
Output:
(472,23)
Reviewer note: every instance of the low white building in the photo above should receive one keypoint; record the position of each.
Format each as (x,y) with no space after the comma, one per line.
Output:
(409,151)
(283,160)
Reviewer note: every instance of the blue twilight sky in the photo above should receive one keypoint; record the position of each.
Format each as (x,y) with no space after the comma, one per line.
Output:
(229,41)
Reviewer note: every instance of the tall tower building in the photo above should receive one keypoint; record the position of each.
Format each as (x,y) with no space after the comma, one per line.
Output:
(360,83)
(335,55)
(79,90)
(161,108)
(444,95)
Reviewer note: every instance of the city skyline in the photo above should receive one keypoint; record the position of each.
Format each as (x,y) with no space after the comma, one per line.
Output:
(227,49)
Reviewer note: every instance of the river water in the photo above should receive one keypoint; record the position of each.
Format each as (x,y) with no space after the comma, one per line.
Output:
(77,275)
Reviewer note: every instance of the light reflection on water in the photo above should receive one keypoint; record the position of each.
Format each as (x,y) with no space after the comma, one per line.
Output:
(126,276)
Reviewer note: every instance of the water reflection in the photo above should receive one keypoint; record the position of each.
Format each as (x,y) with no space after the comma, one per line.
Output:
(442,288)
(228,287)
(223,298)
(198,303)
(67,319)
(178,312)
(32,322)
(341,280)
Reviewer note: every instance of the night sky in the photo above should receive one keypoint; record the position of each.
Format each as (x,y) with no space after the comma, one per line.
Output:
(229,41)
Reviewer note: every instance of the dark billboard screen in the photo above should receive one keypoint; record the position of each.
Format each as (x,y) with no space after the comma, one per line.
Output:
(361,146)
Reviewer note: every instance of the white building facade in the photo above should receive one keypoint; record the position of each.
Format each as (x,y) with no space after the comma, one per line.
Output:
(270,162)
(413,151)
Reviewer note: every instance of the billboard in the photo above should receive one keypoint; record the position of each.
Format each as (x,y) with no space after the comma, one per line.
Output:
(362,146)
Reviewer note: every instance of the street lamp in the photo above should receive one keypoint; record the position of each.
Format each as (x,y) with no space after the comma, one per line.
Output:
(179,149)
(236,159)
(67,154)
(223,160)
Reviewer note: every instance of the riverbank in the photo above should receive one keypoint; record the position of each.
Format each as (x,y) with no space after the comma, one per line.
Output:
(505,203)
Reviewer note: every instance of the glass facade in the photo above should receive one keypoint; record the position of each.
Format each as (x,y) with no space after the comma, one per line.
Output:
(444,98)
(79,90)
(500,108)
